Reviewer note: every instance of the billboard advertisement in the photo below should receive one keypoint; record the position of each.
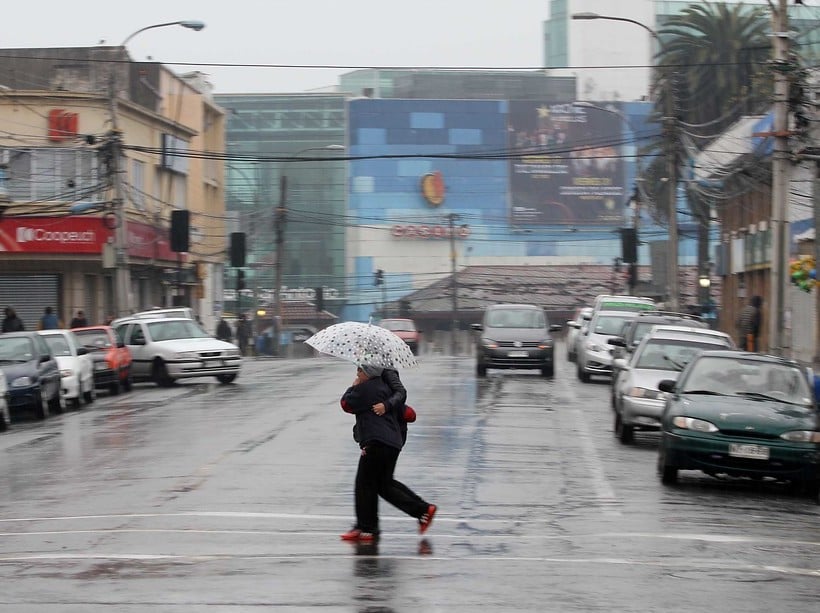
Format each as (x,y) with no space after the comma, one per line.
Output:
(565,164)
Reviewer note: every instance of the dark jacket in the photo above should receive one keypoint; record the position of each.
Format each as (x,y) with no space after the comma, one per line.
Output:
(78,322)
(223,331)
(359,400)
(397,399)
(12,323)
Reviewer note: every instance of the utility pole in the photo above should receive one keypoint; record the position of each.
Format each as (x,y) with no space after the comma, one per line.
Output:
(122,285)
(279,222)
(780,183)
(816,203)
(672,302)
(451,218)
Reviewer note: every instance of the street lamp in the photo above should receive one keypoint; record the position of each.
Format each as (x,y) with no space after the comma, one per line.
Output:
(279,222)
(123,274)
(672,170)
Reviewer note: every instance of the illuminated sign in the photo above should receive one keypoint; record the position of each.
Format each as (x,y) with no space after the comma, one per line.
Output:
(428,231)
(432,188)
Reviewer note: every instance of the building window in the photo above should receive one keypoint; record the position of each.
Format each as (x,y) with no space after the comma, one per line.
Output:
(137,191)
(52,174)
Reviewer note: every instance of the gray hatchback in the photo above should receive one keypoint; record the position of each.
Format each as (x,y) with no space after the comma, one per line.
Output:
(515,336)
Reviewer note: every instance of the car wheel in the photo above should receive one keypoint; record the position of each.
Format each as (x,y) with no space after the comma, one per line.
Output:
(547,370)
(668,473)
(56,404)
(159,373)
(40,405)
(624,432)
(480,370)
(582,374)
(225,379)
(74,403)
(114,388)
(4,424)
(810,488)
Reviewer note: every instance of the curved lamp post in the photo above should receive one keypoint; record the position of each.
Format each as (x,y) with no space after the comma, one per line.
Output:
(672,281)
(191,24)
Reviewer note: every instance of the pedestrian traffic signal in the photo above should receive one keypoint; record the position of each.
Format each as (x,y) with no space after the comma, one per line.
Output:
(240,279)
(378,277)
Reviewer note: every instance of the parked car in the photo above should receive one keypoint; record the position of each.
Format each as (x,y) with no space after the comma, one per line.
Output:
(741,414)
(32,374)
(167,349)
(574,327)
(406,330)
(5,414)
(594,351)
(76,367)
(186,312)
(660,356)
(515,336)
(110,357)
(617,302)
(634,330)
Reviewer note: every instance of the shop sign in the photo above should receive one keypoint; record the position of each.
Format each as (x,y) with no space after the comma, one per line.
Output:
(62,125)
(428,231)
(432,188)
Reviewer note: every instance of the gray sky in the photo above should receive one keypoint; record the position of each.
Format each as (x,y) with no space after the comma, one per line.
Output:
(441,33)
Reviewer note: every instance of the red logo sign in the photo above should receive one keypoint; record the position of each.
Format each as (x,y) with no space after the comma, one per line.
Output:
(62,125)
(432,188)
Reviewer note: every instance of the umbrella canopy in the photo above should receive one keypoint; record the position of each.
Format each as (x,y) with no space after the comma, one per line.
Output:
(364,344)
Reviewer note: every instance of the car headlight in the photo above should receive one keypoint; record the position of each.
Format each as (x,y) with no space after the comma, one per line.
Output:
(66,372)
(643,392)
(594,347)
(184,355)
(801,436)
(489,343)
(692,423)
(545,344)
(233,352)
(22,382)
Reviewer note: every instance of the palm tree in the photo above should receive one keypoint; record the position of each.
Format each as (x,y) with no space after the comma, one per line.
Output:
(711,70)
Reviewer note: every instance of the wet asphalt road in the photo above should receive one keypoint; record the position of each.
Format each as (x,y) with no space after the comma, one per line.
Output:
(231,498)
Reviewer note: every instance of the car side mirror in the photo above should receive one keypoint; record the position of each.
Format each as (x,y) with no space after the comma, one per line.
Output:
(82,351)
(667,385)
(477,327)
(556,327)
(44,359)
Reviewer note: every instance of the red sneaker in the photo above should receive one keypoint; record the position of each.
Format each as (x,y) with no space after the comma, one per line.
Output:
(367,537)
(351,535)
(427,519)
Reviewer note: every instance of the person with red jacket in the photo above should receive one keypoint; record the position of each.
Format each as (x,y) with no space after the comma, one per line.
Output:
(379,434)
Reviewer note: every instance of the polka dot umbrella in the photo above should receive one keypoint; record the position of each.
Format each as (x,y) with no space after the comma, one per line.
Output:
(364,344)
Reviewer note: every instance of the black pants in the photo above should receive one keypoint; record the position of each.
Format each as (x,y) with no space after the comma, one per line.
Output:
(374,478)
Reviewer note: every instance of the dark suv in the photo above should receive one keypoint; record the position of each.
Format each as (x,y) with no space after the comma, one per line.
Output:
(515,336)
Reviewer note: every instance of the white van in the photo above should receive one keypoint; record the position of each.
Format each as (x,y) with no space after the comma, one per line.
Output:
(186,312)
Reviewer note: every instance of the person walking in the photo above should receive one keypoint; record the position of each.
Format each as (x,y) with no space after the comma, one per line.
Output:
(749,324)
(223,330)
(79,321)
(379,435)
(242,334)
(49,320)
(12,323)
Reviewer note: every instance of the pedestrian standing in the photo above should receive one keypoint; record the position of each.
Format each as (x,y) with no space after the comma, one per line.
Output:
(12,323)
(49,320)
(378,433)
(223,330)
(242,334)
(749,324)
(79,321)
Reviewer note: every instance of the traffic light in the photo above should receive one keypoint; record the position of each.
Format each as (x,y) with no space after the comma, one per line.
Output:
(629,245)
(378,277)
(404,308)
(320,299)
(237,249)
(240,279)
(180,222)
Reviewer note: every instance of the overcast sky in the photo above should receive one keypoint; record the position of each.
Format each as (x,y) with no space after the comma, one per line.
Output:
(417,33)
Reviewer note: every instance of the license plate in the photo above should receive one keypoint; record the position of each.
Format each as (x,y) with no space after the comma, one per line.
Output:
(518,354)
(212,363)
(100,366)
(752,452)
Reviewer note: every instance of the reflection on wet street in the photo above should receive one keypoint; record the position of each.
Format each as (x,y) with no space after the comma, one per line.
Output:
(232,498)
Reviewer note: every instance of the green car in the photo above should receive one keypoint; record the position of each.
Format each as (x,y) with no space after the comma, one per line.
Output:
(741,415)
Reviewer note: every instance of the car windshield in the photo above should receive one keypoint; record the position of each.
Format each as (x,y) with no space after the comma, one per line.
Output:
(58,344)
(757,379)
(516,318)
(397,325)
(610,324)
(94,340)
(663,354)
(172,330)
(14,350)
